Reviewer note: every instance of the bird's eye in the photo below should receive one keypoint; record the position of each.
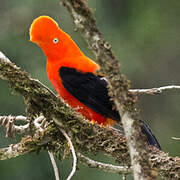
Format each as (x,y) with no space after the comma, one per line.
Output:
(55,40)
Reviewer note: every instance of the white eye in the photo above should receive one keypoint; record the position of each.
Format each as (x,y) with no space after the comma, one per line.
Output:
(55,40)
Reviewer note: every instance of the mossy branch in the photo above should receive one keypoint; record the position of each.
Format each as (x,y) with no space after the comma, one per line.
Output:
(38,99)
(87,138)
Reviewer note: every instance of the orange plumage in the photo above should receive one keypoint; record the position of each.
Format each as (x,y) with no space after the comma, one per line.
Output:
(61,50)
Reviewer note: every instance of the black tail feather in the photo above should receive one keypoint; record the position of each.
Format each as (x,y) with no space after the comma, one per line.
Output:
(151,139)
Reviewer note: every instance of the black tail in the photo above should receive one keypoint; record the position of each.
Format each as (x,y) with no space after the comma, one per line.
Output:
(151,139)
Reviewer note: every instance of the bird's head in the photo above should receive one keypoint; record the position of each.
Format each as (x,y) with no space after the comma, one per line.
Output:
(54,42)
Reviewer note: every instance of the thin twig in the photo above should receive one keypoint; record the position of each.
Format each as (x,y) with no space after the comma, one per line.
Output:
(153,91)
(36,80)
(21,128)
(73,154)
(175,138)
(11,128)
(39,121)
(103,166)
(16,118)
(20,118)
(56,172)
(8,123)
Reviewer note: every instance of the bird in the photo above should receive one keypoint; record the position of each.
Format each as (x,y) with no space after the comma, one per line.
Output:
(75,76)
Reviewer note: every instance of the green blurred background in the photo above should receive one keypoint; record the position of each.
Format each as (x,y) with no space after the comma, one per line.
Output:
(145,36)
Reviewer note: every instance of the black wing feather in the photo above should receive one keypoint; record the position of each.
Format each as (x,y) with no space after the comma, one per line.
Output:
(90,90)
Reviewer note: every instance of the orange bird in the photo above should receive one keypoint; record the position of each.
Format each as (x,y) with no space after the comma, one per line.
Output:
(74,77)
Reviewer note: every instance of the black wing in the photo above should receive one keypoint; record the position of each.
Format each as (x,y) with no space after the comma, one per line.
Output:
(90,90)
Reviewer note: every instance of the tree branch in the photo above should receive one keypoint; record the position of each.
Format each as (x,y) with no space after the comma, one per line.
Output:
(73,154)
(102,166)
(153,91)
(56,173)
(118,87)
(175,138)
(12,151)
(11,128)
